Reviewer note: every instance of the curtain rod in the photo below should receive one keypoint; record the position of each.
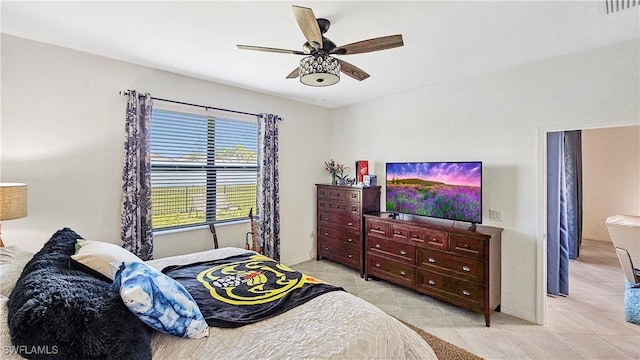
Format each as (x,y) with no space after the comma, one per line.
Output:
(196,105)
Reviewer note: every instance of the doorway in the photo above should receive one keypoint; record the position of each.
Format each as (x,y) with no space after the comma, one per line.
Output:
(611,178)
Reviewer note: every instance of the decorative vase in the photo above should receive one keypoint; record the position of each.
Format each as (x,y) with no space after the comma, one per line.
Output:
(341,182)
(333,179)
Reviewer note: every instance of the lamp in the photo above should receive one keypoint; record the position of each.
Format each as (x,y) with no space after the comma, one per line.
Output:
(319,69)
(13,202)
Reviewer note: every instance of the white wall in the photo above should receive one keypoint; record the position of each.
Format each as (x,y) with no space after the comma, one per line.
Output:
(62,134)
(498,118)
(610,177)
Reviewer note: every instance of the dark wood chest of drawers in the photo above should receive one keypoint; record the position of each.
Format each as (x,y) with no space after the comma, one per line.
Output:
(452,264)
(340,224)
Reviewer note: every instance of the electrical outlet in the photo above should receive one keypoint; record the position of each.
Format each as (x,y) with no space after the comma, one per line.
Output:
(495,215)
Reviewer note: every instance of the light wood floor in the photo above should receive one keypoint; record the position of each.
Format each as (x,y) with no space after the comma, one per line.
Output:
(588,324)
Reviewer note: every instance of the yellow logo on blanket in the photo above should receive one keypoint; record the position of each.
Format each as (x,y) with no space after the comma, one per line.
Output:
(257,280)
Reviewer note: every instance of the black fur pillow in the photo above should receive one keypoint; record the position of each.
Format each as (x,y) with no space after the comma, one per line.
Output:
(57,312)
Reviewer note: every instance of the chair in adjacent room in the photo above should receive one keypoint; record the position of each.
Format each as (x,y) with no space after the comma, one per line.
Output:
(632,287)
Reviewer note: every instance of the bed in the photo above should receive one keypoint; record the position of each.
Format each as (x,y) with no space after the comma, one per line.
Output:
(335,324)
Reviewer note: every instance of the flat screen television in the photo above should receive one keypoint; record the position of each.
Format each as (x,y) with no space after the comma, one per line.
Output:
(445,190)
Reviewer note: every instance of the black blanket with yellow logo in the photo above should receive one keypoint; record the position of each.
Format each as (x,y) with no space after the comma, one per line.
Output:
(244,289)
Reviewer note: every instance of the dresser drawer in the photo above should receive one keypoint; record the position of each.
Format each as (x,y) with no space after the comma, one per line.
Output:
(468,269)
(468,246)
(339,251)
(391,270)
(323,193)
(348,195)
(378,228)
(333,206)
(353,196)
(432,239)
(347,236)
(458,291)
(346,220)
(398,251)
(400,232)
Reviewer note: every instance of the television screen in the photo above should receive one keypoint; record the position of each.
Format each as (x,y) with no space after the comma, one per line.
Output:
(446,190)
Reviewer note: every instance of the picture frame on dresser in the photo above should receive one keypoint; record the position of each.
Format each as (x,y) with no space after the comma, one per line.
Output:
(447,262)
(340,222)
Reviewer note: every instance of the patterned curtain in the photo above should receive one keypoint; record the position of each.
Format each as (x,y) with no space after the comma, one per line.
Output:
(268,215)
(136,233)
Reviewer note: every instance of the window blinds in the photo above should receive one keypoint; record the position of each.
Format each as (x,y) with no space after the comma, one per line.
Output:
(203,168)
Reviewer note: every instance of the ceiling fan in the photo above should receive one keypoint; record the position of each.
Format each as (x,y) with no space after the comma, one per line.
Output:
(319,67)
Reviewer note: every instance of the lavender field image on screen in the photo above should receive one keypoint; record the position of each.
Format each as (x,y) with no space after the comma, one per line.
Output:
(445,190)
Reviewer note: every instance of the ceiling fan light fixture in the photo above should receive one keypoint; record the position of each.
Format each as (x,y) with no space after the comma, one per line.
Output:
(319,70)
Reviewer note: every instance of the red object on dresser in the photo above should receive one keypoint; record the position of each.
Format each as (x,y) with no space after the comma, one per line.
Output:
(362,169)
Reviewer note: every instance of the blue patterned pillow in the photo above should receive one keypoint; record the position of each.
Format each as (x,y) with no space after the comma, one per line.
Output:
(158,300)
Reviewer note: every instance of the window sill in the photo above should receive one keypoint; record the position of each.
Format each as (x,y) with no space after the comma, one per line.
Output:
(199,227)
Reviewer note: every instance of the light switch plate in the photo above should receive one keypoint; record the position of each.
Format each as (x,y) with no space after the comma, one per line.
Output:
(495,215)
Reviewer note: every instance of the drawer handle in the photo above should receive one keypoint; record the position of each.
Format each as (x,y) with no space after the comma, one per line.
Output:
(326,219)
(466,246)
(431,282)
(466,293)
(432,260)
(350,240)
(402,252)
(326,248)
(377,246)
(415,236)
(349,224)
(466,268)
(377,265)
(350,256)
(354,209)
(378,228)
(434,239)
(398,232)
(403,273)
(326,234)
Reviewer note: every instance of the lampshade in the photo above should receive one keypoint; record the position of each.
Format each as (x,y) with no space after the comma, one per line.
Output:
(319,69)
(13,201)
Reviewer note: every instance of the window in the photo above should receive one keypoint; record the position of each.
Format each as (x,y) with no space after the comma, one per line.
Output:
(203,167)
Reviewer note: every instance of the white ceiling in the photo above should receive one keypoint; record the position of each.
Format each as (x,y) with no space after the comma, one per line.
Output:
(443,40)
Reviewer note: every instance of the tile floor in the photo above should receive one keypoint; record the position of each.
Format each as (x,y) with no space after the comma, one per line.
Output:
(588,324)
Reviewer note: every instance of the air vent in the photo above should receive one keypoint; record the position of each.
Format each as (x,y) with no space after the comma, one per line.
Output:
(613,6)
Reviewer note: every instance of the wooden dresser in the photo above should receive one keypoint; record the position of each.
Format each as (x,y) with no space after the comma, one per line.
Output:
(340,224)
(449,263)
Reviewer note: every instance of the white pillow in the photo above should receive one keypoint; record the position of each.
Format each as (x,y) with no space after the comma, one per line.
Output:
(98,256)
(12,261)
(159,301)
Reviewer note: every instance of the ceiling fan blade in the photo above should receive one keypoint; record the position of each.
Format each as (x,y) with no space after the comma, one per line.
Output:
(352,70)
(364,46)
(308,24)
(294,74)
(268,49)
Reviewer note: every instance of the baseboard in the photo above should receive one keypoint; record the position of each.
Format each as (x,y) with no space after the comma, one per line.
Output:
(298,260)
(595,238)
